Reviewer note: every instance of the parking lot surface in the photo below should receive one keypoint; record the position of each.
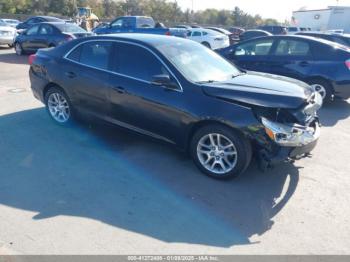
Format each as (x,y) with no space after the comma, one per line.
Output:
(96,189)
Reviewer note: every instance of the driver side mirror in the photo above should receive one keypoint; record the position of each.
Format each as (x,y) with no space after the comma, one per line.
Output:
(163,80)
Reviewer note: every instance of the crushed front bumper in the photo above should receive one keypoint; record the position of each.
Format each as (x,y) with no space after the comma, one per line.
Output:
(284,153)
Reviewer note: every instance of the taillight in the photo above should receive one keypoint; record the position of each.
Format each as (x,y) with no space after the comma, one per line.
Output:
(347,63)
(31,59)
(167,33)
(68,38)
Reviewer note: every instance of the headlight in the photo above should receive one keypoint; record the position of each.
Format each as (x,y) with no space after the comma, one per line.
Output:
(290,135)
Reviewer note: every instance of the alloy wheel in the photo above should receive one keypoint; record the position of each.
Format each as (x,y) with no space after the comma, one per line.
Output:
(58,107)
(217,153)
(320,89)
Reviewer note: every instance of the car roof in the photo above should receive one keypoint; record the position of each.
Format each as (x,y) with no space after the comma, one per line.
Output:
(48,18)
(257,30)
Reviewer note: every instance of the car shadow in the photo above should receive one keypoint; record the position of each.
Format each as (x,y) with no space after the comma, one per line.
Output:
(336,111)
(133,183)
(11,57)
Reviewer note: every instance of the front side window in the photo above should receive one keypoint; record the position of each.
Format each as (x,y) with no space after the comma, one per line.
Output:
(137,62)
(292,48)
(117,23)
(33,30)
(255,48)
(95,54)
(198,63)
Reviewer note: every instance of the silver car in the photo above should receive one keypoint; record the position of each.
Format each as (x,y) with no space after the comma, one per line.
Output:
(7,34)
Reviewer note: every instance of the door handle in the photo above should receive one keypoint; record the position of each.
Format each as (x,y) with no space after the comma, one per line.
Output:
(304,63)
(119,89)
(70,74)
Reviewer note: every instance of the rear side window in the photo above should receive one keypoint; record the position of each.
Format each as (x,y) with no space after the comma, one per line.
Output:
(292,48)
(33,30)
(196,33)
(46,30)
(95,54)
(255,48)
(137,62)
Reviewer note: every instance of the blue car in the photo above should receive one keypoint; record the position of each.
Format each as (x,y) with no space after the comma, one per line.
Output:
(322,64)
(47,34)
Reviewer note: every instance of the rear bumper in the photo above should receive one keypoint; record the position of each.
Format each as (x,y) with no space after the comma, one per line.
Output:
(6,40)
(37,84)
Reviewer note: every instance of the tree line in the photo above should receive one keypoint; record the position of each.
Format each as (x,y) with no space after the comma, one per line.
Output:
(161,10)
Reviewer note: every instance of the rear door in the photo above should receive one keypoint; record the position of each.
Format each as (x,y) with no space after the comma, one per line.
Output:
(87,76)
(292,58)
(138,104)
(29,39)
(253,55)
(46,35)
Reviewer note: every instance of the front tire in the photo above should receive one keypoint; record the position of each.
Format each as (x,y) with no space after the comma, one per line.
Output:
(220,152)
(59,106)
(18,49)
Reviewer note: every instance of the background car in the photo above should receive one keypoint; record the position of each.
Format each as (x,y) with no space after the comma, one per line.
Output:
(10,22)
(36,20)
(209,38)
(274,29)
(254,33)
(236,31)
(7,34)
(180,92)
(292,30)
(343,39)
(47,34)
(230,35)
(323,64)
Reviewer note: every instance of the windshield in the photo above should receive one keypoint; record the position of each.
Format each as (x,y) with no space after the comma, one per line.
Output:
(198,63)
(70,28)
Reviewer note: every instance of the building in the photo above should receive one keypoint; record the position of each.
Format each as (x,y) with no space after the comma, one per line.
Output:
(331,18)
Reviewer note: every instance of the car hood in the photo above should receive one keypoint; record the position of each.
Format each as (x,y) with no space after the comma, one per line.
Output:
(261,90)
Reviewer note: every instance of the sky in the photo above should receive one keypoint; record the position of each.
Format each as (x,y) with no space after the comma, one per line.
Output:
(278,9)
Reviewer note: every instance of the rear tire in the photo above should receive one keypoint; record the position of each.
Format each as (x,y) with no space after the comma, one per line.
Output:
(323,88)
(59,107)
(220,152)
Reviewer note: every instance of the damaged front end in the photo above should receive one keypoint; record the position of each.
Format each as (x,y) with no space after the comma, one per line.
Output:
(287,134)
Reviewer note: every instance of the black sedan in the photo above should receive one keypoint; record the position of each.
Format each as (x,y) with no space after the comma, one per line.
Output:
(179,91)
(254,33)
(343,39)
(48,34)
(36,20)
(322,64)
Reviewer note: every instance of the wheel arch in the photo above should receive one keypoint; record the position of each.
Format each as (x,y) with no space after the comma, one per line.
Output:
(322,78)
(51,85)
(207,122)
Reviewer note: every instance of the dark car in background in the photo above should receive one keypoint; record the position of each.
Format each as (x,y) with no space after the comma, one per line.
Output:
(236,31)
(254,33)
(231,36)
(343,39)
(274,29)
(322,64)
(36,20)
(181,92)
(47,34)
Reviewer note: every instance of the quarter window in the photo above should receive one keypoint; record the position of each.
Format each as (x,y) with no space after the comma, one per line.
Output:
(292,48)
(137,62)
(95,54)
(255,48)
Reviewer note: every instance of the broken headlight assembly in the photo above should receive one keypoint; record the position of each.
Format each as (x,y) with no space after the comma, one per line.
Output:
(291,135)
